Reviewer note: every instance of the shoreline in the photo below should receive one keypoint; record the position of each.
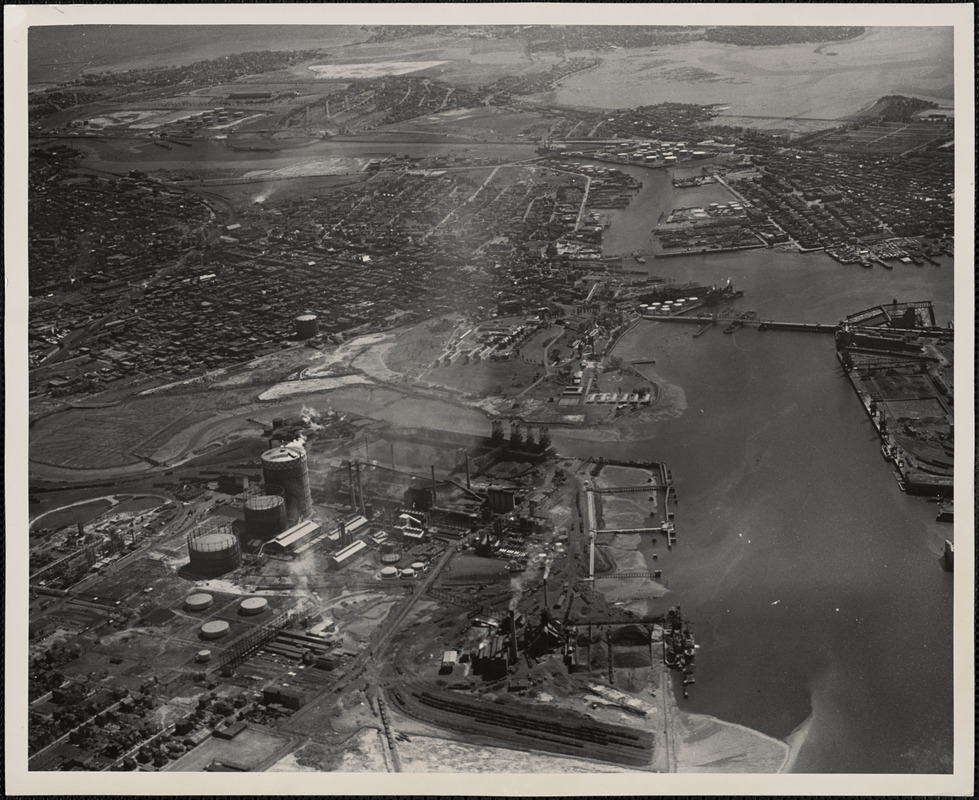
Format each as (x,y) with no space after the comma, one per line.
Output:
(796,740)
(707,744)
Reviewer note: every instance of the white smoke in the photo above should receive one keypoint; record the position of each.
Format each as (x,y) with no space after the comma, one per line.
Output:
(516,589)
(306,599)
(309,416)
(264,194)
(299,442)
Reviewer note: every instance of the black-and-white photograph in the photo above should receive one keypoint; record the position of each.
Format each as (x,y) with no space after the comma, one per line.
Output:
(533,390)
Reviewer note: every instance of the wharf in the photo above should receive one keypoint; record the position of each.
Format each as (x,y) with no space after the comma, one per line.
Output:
(763,324)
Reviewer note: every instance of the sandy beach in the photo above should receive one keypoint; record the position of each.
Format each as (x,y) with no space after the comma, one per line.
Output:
(707,744)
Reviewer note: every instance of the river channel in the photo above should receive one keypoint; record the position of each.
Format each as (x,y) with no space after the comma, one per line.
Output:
(813,584)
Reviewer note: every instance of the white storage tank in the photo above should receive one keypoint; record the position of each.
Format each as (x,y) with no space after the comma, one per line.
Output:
(215,629)
(199,601)
(254,605)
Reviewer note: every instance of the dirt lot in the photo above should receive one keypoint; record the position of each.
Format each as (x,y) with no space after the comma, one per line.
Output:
(424,753)
(506,378)
(249,749)
(363,752)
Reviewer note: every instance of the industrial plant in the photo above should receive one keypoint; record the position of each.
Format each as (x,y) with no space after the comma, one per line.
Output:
(477,543)
(480,399)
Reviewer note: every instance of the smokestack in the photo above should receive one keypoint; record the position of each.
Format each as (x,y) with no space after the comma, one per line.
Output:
(343,534)
(589,647)
(353,489)
(360,489)
(367,448)
(469,483)
(611,671)
(546,603)
(434,487)
(392,455)
(514,653)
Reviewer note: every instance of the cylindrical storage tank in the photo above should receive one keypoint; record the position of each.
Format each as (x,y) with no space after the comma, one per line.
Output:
(265,517)
(390,552)
(203,655)
(215,629)
(389,572)
(199,601)
(214,550)
(254,605)
(287,467)
(418,566)
(307,326)
(408,572)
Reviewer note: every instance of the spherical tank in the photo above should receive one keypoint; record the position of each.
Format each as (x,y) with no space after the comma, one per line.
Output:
(213,551)
(287,467)
(265,517)
(307,326)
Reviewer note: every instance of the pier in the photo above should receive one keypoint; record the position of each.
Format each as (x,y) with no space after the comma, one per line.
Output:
(761,324)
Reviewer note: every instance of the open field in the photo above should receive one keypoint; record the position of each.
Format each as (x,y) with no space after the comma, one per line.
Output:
(478,123)
(371,69)
(108,437)
(893,137)
(315,166)
(467,62)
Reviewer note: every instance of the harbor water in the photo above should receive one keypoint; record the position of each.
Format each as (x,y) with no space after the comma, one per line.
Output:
(813,584)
